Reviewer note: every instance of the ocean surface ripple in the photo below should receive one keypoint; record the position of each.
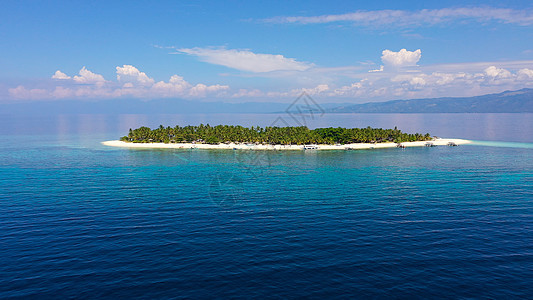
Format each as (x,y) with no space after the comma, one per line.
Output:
(445,221)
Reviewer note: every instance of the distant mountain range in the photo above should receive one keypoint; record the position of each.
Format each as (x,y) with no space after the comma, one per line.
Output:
(506,102)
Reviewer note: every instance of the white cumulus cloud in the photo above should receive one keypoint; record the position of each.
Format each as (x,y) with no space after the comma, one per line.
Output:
(401,58)
(175,86)
(245,60)
(494,72)
(396,83)
(60,75)
(130,82)
(355,89)
(525,74)
(86,76)
(202,90)
(317,89)
(377,70)
(129,74)
(20,92)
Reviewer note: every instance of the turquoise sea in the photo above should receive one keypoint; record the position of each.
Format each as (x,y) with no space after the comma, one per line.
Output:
(81,220)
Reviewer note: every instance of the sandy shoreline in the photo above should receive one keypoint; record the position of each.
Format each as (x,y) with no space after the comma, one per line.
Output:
(232,146)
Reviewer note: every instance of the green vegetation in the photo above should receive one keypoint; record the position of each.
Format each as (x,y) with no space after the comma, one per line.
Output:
(269,135)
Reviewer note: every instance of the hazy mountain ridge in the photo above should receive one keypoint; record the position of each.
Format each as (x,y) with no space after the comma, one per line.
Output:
(506,102)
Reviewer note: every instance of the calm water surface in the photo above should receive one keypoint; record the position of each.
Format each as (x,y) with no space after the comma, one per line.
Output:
(486,127)
(82,220)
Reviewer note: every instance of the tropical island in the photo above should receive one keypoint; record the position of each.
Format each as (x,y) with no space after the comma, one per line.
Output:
(275,138)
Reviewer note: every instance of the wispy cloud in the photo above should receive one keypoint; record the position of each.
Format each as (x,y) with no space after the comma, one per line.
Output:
(424,17)
(245,60)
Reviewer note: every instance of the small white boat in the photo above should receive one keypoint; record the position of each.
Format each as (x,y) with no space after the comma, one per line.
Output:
(310,147)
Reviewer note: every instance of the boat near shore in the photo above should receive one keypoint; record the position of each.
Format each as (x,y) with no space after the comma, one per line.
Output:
(310,147)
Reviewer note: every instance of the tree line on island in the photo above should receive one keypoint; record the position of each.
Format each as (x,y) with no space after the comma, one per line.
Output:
(299,135)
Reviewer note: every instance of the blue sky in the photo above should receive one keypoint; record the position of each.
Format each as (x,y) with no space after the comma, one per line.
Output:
(240,51)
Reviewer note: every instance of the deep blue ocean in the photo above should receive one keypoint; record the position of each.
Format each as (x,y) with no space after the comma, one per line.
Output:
(81,220)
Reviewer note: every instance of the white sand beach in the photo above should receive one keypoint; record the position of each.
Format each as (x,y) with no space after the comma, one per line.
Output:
(242,146)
